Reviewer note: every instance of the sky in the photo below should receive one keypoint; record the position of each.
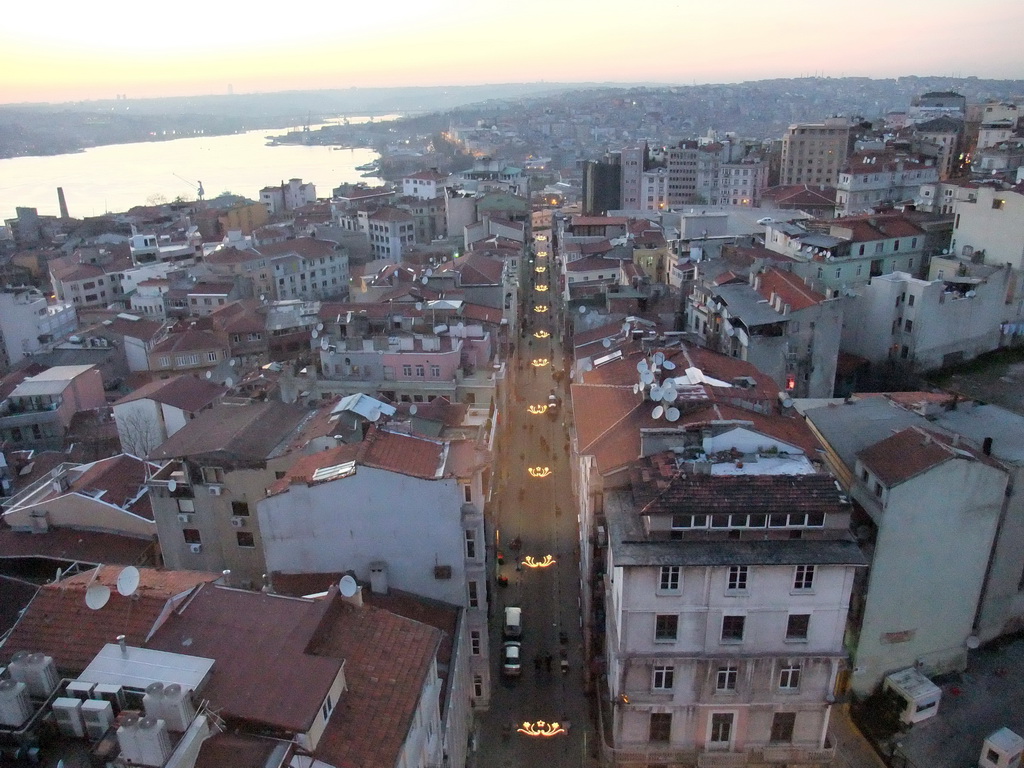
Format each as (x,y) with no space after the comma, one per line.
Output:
(68,51)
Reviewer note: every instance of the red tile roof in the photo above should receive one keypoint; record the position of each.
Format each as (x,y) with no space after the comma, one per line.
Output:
(877,227)
(59,624)
(190,340)
(912,451)
(189,393)
(386,213)
(305,247)
(592,264)
(66,544)
(273,678)
(791,288)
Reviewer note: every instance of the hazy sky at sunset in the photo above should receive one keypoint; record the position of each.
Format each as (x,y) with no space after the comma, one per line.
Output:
(62,50)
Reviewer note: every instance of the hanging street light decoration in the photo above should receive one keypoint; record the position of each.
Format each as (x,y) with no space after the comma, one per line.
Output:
(544,562)
(540,308)
(539,471)
(541,335)
(542,288)
(540,362)
(542,729)
(540,270)
(537,410)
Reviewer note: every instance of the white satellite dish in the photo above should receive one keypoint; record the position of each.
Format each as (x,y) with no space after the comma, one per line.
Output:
(647,377)
(424,279)
(641,366)
(347,586)
(419,305)
(324,344)
(413,409)
(672,414)
(583,310)
(229,382)
(657,412)
(97,596)
(374,414)
(636,389)
(209,374)
(588,365)
(669,393)
(57,577)
(233,362)
(659,358)
(656,392)
(263,297)
(319,326)
(430,272)
(606,343)
(625,328)
(315,334)
(128,581)
(668,365)
(172,485)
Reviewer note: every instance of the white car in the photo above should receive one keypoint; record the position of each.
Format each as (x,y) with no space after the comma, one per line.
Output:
(511,659)
(765,220)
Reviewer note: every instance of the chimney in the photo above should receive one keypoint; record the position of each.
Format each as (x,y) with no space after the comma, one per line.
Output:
(986,446)
(121,641)
(62,203)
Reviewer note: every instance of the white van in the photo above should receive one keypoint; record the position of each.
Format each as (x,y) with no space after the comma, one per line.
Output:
(513,622)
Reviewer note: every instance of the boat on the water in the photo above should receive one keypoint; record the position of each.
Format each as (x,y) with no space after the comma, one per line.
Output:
(367,166)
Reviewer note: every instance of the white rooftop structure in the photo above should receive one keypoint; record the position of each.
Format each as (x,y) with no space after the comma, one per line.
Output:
(366,406)
(138,667)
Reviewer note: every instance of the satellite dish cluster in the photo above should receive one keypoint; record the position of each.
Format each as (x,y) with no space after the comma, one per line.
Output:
(661,391)
(98,595)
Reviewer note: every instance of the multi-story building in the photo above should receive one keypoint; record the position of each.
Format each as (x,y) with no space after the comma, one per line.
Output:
(391,231)
(28,321)
(813,153)
(989,224)
(187,349)
(155,411)
(37,413)
(681,161)
(743,182)
(730,569)
(871,179)
(654,190)
(305,268)
(941,138)
(424,185)
(399,511)
(215,469)
(287,197)
(633,163)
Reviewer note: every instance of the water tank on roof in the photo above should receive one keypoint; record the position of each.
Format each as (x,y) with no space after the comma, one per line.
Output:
(153,700)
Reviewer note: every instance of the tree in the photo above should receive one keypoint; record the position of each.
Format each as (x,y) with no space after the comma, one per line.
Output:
(139,431)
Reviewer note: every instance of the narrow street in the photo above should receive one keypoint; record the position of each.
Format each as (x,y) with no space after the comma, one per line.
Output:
(535,519)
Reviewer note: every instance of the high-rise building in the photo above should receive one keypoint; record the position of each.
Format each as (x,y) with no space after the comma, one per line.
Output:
(812,153)
(634,162)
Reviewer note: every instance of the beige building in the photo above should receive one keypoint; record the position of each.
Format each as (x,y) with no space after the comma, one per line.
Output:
(813,153)
(989,226)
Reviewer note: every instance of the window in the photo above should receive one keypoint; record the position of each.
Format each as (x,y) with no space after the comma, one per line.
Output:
(666,627)
(732,628)
(239,509)
(796,627)
(737,581)
(878,489)
(211,357)
(896,245)
(782,727)
(213,475)
(187,505)
(470,543)
(664,678)
(721,729)
(245,539)
(474,641)
(192,536)
(669,579)
(910,299)
(661,726)
(804,577)
(474,595)
(789,677)
(327,708)
(407,370)
(478,686)
(725,680)
(435,371)
(467,493)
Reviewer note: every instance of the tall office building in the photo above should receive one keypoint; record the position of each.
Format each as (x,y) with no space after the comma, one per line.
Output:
(813,153)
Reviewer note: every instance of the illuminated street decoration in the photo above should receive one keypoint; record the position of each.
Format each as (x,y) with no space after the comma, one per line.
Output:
(541,334)
(541,308)
(542,288)
(542,254)
(541,728)
(544,562)
(537,409)
(539,471)
(540,270)
(540,362)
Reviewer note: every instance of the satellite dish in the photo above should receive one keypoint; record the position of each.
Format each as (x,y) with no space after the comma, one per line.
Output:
(659,358)
(97,596)
(347,585)
(641,366)
(430,272)
(229,382)
(669,393)
(606,343)
(319,326)
(263,297)
(657,412)
(413,409)
(588,365)
(672,414)
(730,331)
(647,377)
(972,642)
(59,574)
(233,362)
(636,389)
(656,392)
(209,374)
(374,414)
(128,581)
(172,485)
(583,310)
(625,328)
(668,365)
(424,279)
(419,305)
(324,344)
(314,334)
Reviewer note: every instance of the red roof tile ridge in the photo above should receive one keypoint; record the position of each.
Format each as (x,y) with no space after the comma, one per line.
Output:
(614,424)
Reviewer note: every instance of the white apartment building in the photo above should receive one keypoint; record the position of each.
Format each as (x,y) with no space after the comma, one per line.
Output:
(28,321)
(306,268)
(287,197)
(870,179)
(424,185)
(729,575)
(743,182)
(990,220)
(654,190)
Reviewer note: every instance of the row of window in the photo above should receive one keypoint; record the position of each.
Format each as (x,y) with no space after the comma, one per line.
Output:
(721,728)
(666,627)
(435,371)
(244,539)
(750,520)
(737,578)
(726,677)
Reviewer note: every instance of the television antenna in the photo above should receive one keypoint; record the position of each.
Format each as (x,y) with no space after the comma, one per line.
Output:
(347,586)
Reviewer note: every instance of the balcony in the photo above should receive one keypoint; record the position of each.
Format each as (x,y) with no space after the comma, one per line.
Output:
(722,759)
(792,753)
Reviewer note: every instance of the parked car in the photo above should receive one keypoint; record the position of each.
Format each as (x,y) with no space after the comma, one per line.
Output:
(511,658)
(513,627)
(765,220)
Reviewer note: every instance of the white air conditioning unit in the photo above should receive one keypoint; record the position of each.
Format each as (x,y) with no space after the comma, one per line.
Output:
(68,714)
(238,522)
(98,717)
(112,693)
(195,549)
(216,490)
(184,518)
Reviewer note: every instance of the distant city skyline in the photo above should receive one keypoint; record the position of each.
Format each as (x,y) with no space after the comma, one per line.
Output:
(61,51)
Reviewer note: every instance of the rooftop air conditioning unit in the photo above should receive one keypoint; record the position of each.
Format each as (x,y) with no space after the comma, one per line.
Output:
(68,714)
(154,741)
(79,689)
(98,717)
(195,549)
(128,738)
(1002,749)
(15,705)
(216,490)
(112,693)
(238,522)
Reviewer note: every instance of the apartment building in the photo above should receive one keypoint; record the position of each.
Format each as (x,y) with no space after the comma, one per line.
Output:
(38,411)
(941,137)
(287,196)
(28,321)
(424,185)
(813,153)
(989,224)
(633,163)
(872,179)
(742,183)
(729,575)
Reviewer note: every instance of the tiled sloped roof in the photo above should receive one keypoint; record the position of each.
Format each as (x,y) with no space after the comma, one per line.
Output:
(386,213)
(189,393)
(238,750)
(60,624)
(387,658)
(272,678)
(791,288)
(306,247)
(477,269)
(231,255)
(120,478)
(70,545)
(592,263)
(190,340)
(912,451)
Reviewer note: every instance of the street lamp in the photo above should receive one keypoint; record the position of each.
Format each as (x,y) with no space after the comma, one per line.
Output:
(540,308)
(540,270)
(542,288)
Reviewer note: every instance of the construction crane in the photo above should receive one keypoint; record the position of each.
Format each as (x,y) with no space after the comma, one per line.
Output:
(197,186)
